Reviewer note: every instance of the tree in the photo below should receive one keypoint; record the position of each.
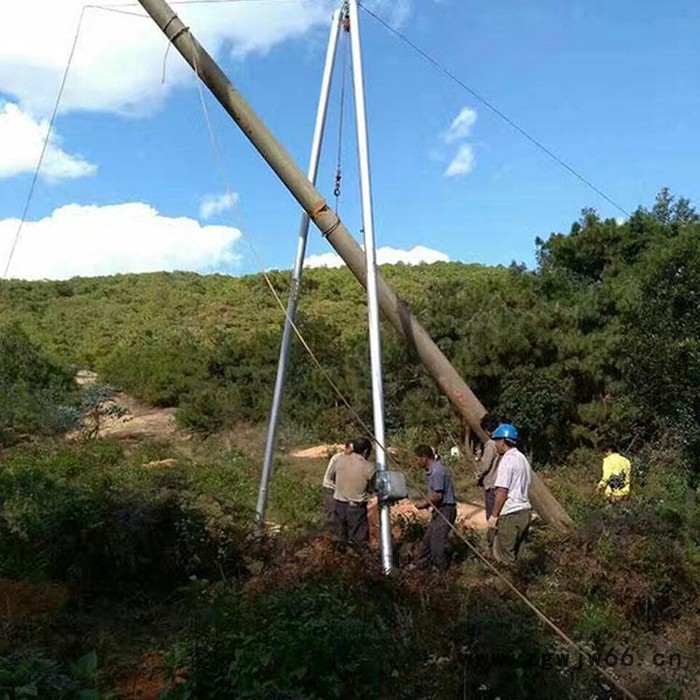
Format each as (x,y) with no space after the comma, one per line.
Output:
(97,405)
(671,210)
(662,335)
(663,206)
(37,396)
(684,213)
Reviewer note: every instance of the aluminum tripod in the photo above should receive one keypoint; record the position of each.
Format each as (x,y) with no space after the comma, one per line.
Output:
(347,19)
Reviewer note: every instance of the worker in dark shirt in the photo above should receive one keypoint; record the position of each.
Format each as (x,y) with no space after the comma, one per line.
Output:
(435,550)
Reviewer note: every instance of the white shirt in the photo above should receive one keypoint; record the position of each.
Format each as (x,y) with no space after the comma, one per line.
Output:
(514,473)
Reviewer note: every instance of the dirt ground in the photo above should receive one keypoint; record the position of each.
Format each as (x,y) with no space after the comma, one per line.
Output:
(21,601)
(317,452)
(308,462)
(148,682)
(141,422)
(469,515)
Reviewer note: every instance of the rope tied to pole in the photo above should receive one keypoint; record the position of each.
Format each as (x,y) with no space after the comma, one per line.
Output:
(171,41)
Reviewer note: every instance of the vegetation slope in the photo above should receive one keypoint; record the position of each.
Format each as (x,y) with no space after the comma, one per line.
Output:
(139,566)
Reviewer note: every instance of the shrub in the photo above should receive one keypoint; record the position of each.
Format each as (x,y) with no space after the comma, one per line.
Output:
(157,368)
(312,640)
(89,517)
(634,561)
(37,396)
(329,627)
(38,677)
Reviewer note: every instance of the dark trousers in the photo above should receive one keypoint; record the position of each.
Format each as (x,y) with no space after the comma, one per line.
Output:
(435,549)
(352,526)
(329,507)
(490,500)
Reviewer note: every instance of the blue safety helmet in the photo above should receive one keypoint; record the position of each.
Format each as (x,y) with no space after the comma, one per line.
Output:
(505,431)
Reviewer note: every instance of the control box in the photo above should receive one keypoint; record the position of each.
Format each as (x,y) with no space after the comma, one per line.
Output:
(391,486)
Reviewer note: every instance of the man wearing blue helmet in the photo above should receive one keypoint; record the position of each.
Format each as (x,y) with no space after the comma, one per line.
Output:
(511,510)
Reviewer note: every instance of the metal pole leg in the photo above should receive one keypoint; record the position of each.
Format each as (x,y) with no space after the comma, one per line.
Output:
(372,297)
(297,273)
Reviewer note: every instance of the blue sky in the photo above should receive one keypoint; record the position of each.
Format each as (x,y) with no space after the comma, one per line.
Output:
(609,87)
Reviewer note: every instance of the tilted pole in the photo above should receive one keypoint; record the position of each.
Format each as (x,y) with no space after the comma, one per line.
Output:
(332,228)
(375,341)
(290,318)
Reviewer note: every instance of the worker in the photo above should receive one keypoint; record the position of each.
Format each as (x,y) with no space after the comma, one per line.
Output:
(354,479)
(510,517)
(435,549)
(616,476)
(329,485)
(486,471)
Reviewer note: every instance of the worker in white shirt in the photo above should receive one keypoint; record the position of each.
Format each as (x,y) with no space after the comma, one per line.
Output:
(511,510)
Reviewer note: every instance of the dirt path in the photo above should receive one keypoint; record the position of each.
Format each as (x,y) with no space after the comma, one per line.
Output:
(469,515)
(147,422)
(311,461)
(141,421)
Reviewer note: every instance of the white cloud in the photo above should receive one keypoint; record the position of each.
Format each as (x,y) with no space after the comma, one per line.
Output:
(118,61)
(385,256)
(394,12)
(213,204)
(463,163)
(117,66)
(103,240)
(461,125)
(21,141)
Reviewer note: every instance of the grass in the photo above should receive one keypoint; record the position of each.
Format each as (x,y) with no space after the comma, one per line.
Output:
(152,544)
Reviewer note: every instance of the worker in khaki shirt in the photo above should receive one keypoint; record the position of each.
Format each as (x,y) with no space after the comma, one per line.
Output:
(486,469)
(354,479)
(329,485)
(617,471)
(511,510)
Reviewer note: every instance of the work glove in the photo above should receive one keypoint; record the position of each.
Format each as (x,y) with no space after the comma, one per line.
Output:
(492,522)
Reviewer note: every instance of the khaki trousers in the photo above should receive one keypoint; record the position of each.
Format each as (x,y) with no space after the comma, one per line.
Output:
(510,536)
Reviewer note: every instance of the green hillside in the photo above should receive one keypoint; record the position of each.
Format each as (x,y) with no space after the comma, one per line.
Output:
(599,343)
(130,567)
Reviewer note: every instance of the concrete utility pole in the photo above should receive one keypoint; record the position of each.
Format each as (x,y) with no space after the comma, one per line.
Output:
(332,228)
